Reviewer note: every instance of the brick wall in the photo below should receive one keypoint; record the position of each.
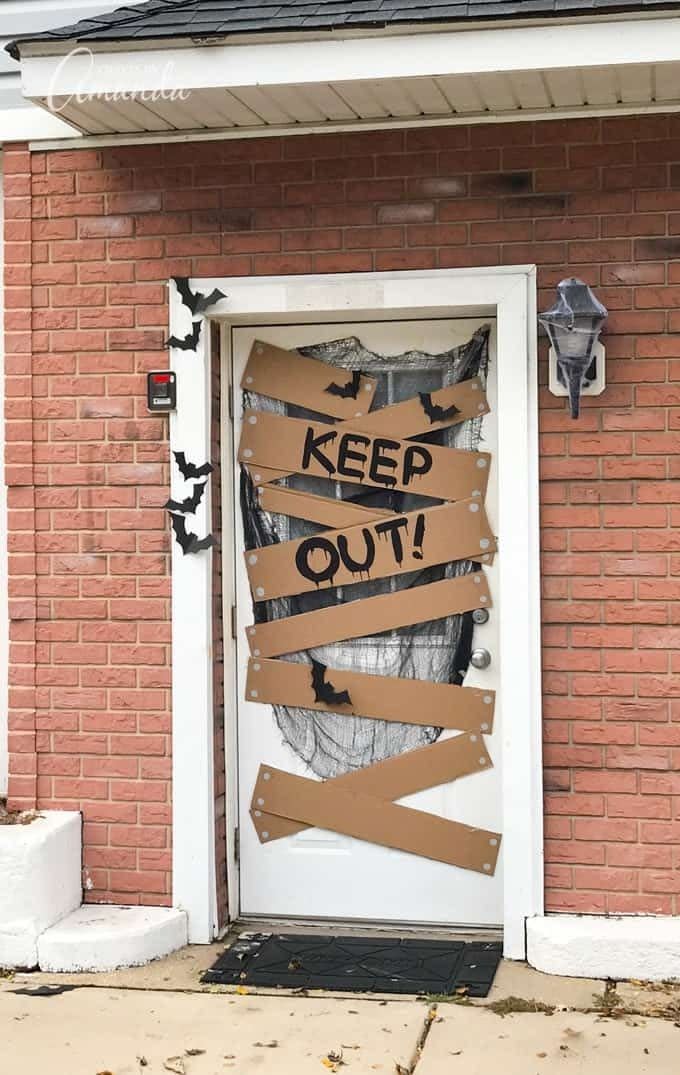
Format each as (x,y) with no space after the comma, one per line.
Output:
(98,232)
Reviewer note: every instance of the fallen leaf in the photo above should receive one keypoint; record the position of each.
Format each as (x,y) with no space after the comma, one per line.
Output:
(104,1073)
(265,1044)
(194,1052)
(333,1061)
(541,1056)
(241,990)
(175,1064)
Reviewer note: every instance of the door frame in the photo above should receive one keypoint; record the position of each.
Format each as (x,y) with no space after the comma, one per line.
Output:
(507,293)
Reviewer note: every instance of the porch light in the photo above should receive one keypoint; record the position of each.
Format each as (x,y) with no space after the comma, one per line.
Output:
(573,325)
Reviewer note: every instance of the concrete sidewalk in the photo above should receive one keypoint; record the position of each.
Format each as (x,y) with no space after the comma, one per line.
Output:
(160,1019)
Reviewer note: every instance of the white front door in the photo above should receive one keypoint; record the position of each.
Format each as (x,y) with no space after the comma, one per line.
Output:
(320,874)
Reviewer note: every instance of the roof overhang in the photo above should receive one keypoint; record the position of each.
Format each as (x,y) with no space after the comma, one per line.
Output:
(252,86)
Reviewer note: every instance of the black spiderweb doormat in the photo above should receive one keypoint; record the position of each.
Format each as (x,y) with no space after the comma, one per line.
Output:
(358,964)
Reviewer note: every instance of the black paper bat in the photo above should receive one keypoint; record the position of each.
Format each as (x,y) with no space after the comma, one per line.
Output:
(190,470)
(190,503)
(350,390)
(188,342)
(188,541)
(196,300)
(325,691)
(433,411)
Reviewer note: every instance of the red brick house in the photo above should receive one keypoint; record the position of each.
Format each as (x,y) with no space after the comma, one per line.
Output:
(416,173)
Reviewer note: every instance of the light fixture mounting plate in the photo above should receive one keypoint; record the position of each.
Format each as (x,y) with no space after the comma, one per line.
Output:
(590,388)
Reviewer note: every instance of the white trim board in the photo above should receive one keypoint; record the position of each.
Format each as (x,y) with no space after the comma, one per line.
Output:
(225,134)
(31,122)
(595,946)
(463,50)
(507,293)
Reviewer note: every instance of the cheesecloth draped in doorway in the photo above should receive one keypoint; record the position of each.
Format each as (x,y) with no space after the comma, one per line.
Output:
(439,651)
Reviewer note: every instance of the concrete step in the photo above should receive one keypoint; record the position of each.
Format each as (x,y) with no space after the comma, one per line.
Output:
(99,937)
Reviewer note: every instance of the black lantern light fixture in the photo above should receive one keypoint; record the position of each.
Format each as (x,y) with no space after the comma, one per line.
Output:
(573,325)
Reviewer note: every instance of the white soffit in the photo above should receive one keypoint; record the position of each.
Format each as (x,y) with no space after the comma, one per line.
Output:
(598,66)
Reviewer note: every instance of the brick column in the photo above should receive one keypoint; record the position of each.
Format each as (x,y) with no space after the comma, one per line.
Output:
(19,478)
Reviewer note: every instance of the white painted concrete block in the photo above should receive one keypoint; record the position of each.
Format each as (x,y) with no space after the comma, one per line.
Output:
(594,946)
(100,937)
(40,881)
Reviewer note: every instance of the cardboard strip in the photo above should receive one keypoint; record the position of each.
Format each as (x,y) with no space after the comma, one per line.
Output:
(427,411)
(325,805)
(406,419)
(262,475)
(439,763)
(406,701)
(306,382)
(358,619)
(345,454)
(393,546)
(323,510)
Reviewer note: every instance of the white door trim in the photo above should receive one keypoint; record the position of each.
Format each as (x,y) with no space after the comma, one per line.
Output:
(507,293)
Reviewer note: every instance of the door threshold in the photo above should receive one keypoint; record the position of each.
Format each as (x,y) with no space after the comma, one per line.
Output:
(321,928)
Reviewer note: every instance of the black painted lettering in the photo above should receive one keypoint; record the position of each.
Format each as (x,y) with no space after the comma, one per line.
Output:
(345,453)
(418,535)
(378,460)
(304,552)
(417,460)
(392,527)
(312,446)
(369,552)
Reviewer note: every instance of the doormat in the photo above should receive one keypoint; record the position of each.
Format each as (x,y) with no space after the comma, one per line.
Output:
(358,964)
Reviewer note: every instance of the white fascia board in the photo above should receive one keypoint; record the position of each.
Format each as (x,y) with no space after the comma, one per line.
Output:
(29,123)
(93,70)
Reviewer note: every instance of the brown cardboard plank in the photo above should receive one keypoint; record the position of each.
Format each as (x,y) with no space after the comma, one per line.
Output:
(345,454)
(262,475)
(376,550)
(358,619)
(406,701)
(293,378)
(407,419)
(324,510)
(415,770)
(365,817)
(461,401)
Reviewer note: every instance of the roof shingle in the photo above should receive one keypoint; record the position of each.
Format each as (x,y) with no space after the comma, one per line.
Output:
(168,19)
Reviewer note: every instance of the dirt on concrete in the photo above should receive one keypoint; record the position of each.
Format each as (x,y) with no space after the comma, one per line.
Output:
(16,817)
